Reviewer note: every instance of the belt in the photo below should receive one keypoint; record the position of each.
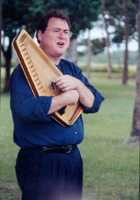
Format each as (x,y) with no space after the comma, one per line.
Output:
(66,149)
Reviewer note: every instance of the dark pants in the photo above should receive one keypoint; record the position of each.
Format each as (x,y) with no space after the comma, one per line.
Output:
(49,176)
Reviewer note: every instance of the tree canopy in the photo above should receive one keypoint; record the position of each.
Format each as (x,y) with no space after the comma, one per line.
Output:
(25,14)
(81,13)
(19,13)
(114,9)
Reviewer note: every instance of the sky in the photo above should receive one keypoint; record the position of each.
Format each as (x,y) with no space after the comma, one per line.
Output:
(97,32)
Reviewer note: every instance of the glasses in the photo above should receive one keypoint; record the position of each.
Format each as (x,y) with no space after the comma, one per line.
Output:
(56,31)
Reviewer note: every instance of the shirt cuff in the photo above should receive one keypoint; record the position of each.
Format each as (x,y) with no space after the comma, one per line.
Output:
(96,105)
(45,103)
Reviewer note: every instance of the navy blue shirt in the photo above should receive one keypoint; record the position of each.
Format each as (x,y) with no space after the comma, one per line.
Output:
(32,126)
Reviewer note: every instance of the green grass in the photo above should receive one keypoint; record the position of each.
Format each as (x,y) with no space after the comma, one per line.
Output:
(110,168)
(8,185)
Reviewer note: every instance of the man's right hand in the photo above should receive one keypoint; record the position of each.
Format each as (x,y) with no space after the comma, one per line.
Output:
(70,97)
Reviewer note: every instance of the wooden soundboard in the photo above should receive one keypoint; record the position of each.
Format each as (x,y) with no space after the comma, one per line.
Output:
(40,73)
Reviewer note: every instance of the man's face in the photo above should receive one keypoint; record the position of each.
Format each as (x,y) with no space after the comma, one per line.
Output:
(54,45)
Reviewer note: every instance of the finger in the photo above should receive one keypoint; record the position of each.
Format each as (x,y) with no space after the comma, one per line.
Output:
(60,78)
(65,89)
(61,84)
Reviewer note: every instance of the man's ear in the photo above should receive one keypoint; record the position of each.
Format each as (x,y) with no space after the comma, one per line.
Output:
(39,35)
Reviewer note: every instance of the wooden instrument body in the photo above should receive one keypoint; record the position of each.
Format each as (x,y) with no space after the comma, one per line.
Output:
(40,73)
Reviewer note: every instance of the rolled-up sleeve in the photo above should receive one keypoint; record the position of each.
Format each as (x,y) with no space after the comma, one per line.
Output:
(97,102)
(23,103)
(98,97)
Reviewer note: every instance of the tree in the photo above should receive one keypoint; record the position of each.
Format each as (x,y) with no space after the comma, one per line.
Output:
(88,55)
(124,26)
(13,19)
(135,132)
(7,28)
(106,24)
(126,35)
(136,116)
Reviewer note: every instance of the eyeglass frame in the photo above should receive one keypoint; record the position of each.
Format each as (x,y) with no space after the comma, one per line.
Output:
(66,32)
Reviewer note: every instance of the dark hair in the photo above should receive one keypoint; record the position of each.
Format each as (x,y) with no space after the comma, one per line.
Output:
(43,22)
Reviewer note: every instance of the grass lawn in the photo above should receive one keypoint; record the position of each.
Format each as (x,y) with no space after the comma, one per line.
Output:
(110,168)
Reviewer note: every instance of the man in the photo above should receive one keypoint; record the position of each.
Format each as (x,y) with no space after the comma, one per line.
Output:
(49,164)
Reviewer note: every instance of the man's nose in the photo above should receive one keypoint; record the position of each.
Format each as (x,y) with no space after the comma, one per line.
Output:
(61,34)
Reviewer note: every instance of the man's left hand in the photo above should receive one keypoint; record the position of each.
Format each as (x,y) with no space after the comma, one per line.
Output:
(67,82)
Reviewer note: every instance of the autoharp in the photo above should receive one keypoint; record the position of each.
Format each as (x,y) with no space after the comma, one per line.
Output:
(40,73)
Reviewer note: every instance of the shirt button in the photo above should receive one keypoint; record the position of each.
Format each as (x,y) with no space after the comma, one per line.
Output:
(75,132)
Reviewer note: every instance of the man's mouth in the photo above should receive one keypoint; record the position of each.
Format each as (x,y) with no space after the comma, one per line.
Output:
(60,43)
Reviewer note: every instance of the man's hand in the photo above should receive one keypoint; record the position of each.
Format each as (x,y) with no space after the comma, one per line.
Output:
(70,97)
(66,82)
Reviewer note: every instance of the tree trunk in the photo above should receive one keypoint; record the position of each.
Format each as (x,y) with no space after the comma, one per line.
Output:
(126,33)
(109,68)
(72,54)
(7,56)
(88,56)
(7,75)
(136,115)
(135,132)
